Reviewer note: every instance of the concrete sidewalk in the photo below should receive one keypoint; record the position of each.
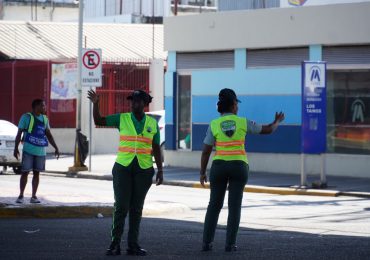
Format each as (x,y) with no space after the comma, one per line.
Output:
(67,198)
(284,184)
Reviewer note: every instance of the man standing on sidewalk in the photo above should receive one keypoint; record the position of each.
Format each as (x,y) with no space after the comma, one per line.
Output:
(36,133)
(133,170)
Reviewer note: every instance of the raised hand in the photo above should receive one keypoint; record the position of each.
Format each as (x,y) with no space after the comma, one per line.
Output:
(279,117)
(91,94)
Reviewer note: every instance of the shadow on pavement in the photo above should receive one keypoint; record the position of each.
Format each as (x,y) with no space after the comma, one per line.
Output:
(167,239)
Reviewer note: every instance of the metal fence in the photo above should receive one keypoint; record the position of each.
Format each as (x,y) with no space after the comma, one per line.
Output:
(119,80)
(21,81)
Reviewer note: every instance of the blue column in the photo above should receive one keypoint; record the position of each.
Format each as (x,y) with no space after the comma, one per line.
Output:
(169,101)
(240,56)
(315,52)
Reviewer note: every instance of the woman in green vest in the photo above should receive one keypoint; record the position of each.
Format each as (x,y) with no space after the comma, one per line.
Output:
(230,165)
(133,170)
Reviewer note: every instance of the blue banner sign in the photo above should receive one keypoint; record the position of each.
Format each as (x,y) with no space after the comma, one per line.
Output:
(313,107)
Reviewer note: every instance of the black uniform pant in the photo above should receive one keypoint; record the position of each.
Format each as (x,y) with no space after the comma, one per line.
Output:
(224,173)
(130,185)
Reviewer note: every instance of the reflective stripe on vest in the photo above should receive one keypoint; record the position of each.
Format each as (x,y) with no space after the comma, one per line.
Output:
(131,144)
(136,139)
(229,132)
(135,151)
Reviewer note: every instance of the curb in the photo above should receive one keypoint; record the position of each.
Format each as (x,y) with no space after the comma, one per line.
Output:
(42,211)
(248,188)
(55,211)
(277,190)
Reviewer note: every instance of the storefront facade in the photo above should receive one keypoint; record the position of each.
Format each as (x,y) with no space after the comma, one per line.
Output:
(259,55)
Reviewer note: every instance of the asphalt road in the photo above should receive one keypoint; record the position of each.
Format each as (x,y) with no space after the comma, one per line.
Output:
(166,239)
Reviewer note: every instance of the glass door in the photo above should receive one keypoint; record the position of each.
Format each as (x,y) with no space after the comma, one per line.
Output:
(184,112)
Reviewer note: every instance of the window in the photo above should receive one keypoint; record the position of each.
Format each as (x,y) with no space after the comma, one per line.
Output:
(348,112)
(184,112)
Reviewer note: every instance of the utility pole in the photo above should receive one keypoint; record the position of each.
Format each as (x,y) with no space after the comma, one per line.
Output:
(78,165)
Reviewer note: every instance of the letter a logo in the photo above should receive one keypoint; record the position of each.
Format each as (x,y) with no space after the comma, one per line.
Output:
(315,75)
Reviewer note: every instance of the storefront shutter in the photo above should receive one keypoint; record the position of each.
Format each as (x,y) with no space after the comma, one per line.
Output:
(347,55)
(276,57)
(205,60)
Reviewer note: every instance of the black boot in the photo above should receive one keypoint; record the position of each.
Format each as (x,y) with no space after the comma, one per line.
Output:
(207,247)
(114,249)
(136,250)
(231,248)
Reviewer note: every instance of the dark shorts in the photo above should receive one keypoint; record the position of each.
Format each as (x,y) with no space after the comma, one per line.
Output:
(33,163)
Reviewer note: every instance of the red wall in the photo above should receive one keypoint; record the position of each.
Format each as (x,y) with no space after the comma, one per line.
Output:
(32,80)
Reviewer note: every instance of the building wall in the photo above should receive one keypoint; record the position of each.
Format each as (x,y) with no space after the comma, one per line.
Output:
(262,90)
(23,13)
(269,28)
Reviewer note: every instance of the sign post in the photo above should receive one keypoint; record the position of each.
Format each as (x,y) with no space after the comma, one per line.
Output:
(91,77)
(78,165)
(313,135)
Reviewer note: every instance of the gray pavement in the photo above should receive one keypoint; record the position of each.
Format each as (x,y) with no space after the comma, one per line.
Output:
(102,165)
(346,216)
(167,239)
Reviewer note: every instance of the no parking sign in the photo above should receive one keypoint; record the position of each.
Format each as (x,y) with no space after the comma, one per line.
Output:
(91,68)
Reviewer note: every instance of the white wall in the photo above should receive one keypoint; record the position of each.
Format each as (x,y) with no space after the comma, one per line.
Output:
(336,164)
(269,28)
(156,84)
(23,13)
(110,19)
(285,3)
(97,8)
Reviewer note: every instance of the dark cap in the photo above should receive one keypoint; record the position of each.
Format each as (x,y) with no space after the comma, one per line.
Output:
(228,95)
(140,94)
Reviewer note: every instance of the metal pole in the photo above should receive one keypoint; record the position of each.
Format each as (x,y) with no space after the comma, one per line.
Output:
(79,63)
(31,10)
(77,161)
(90,133)
(303,171)
(36,10)
(153,30)
(175,8)
(323,169)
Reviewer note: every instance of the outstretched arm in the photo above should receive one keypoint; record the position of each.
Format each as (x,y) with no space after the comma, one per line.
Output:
(94,98)
(270,128)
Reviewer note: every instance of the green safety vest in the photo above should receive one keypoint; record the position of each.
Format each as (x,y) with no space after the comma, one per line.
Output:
(229,132)
(131,144)
(32,122)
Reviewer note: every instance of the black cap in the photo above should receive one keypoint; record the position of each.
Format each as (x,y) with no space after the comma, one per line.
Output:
(228,95)
(140,94)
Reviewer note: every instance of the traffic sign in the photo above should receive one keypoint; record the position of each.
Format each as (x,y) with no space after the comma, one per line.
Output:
(91,68)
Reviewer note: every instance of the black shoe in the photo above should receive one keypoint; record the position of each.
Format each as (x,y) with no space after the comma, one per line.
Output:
(231,248)
(137,250)
(207,247)
(114,249)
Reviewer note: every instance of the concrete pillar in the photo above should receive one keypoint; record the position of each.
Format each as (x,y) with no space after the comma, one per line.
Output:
(156,84)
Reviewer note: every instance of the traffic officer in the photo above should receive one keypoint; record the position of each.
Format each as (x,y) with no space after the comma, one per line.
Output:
(230,165)
(133,170)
